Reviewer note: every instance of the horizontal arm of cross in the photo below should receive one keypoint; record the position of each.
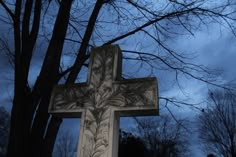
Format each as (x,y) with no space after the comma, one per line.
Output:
(128,97)
(69,100)
(139,97)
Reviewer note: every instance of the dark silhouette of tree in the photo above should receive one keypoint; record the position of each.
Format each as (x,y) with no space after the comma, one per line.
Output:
(74,27)
(217,124)
(131,145)
(163,136)
(210,155)
(4,130)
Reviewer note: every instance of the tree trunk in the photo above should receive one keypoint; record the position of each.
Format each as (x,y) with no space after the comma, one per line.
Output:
(29,125)
(48,77)
(31,133)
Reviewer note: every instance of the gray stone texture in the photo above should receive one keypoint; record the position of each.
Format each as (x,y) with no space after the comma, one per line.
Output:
(102,100)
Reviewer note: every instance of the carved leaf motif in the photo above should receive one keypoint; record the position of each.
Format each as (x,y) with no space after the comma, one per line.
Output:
(100,151)
(117,99)
(105,115)
(97,70)
(90,123)
(59,101)
(101,140)
(101,81)
(101,93)
(88,149)
(74,98)
(130,95)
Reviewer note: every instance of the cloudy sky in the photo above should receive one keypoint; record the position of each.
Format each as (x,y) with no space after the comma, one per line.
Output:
(213,46)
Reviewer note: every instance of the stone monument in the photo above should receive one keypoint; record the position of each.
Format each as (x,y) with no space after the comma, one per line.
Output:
(102,100)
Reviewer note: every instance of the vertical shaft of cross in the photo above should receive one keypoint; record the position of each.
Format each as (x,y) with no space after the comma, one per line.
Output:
(105,66)
(99,139)
(99,123)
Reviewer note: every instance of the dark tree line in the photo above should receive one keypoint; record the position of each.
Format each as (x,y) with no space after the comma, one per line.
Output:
(131,145)
(4,130)
(79,26)
(152,137)
(163,136)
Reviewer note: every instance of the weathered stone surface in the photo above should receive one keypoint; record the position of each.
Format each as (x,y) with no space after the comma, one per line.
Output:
(102,100)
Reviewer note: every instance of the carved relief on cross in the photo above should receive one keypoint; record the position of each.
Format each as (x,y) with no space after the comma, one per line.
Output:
(102,100)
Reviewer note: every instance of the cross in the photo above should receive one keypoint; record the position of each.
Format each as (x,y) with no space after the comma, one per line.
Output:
(102,100)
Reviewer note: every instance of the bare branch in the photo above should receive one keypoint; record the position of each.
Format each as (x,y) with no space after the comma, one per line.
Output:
(188,70)
(83,47)
(7,9)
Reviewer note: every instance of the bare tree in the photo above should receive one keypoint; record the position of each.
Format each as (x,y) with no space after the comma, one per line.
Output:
(79,26)
(217,124)
(66,145)
(163,136)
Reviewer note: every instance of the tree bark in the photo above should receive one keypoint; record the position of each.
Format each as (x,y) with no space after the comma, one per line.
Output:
(47,79)
(18,132)
(24,140)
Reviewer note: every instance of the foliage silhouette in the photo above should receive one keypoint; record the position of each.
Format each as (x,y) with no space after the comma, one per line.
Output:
(4,130)
(210,155)
(131,145)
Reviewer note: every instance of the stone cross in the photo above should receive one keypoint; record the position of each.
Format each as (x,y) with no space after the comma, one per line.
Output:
(102,100)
